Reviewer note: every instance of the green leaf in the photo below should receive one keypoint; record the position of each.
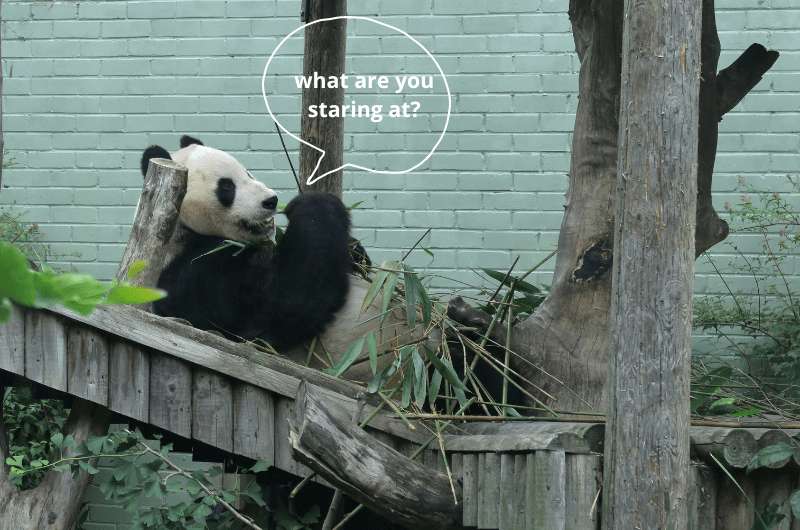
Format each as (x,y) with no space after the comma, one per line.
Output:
(260,466)
(95,445)
(411,295)
(372,346)
(519,285)
(388,292)
(136,268)
(16,282)
(5,310)
(436,385)
(408,385)
(722,402)
(443,366)
(771,454)
(130,294)
(420,379)
(794,500)
(348,358)
(374,288)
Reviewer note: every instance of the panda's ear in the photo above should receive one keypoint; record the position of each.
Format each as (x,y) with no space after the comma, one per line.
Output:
(154,151)
(187,140)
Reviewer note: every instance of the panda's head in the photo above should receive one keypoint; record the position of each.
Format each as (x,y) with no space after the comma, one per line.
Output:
(222,197)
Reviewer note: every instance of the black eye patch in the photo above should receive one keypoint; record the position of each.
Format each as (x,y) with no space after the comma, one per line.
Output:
(226,192)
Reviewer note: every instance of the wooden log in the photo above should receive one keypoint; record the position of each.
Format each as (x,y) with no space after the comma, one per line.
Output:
(583,475)
(547,502)
(508,488)
(284,459)
(470,488)
(154,235)
(129,380)
(12,341)
(368,471)
(735,510)
(87,365)
(46,350)
(253,423)
(212,409)
(734,447)
(703,498)
(774,437)
(772,491)
(488,490)
(171,394)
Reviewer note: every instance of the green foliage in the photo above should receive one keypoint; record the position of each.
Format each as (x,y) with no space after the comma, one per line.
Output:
(78,292)
(31,425)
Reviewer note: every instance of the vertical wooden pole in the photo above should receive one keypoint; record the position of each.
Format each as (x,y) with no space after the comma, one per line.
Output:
(647,475)
(325,51)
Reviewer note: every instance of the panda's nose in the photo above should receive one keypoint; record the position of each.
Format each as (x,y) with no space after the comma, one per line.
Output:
(271,203)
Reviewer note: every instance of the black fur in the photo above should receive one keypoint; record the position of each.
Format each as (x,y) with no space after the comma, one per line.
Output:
(154,151)
(226,192)
(285,298)
(187,140)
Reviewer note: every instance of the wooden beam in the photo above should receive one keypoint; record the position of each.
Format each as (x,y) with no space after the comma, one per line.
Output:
(646,463)
(325,53)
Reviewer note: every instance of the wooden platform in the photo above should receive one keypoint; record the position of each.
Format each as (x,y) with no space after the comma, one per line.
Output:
(514,476)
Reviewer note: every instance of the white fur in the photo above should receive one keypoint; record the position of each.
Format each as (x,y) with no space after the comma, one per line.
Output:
(202,212)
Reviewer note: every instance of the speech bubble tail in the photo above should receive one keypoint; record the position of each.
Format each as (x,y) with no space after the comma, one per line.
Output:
(312,179)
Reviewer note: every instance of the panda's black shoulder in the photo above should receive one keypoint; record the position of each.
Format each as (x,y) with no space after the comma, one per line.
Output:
(154,151)
(187,140)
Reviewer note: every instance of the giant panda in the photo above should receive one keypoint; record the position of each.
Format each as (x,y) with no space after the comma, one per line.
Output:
(303,288)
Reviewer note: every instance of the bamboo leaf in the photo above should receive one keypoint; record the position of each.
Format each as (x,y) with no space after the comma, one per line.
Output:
(17,280)
(408,384)
(372,346)
(130,294)
(374,288)
(794,500)
(388,292)
(136,268)
(436,385)
(771,454)
(420,379)
(348,358)
(411,296)
(446,369)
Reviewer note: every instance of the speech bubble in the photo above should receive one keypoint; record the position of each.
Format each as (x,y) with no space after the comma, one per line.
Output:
(311,179)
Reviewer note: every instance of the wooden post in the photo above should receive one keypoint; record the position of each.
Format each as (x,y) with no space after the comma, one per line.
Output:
(647,474)
(325,50)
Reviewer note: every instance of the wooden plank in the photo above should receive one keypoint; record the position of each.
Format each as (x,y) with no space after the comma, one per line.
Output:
(507,515)
(547,500)
(520,497)
(129,380)
(470,489)
(87,365)
(12,342)
(236,360)
(457,468)
(489,492)
(703,498)
(253,423)
(212,409)
(583,481)
(171,394)
(530,490)
(527,436)
(773,489)
(734,512)
(45,349)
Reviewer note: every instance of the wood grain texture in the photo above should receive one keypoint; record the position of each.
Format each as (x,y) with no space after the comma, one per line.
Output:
(129,380)
(155,226)
(470,484)
(253,423)
(212,409)
(87,365)
(703,499)
(171,394)
(520,495)
(583,481)
(734,447)
(646,481)
(773,489)
(488,490)
(327,440)
(734,512)
(46,349)
(508,488)
(325,53)
(12,342)
(547,491)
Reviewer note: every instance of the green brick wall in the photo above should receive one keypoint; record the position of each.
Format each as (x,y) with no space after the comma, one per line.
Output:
(89,84)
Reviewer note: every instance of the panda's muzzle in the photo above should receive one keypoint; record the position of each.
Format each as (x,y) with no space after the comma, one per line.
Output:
(271,203)
(260,228)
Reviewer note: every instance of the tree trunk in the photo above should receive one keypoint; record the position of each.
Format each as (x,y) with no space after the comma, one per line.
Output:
(564,346)
(325,52)
(647,434)
(55,503)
